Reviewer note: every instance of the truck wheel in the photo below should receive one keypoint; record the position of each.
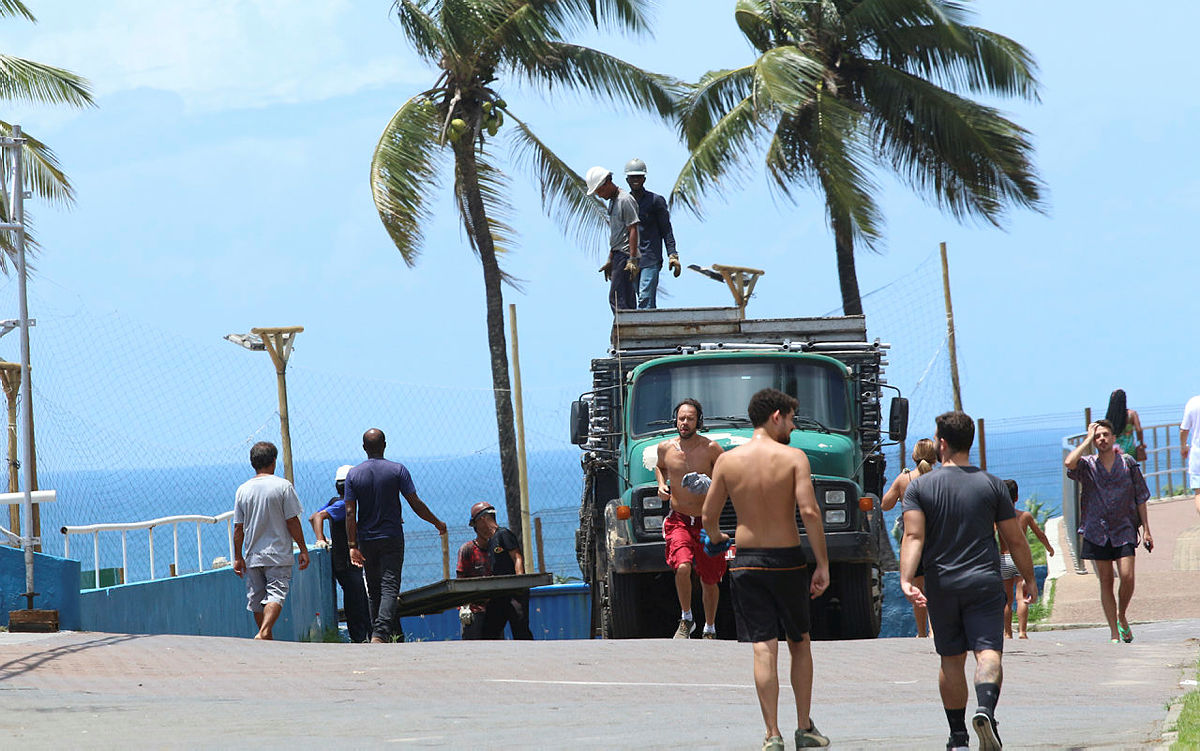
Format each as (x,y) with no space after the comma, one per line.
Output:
(859,589)
(621,616)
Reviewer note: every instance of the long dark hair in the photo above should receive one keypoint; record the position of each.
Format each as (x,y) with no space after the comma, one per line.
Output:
(1118,413)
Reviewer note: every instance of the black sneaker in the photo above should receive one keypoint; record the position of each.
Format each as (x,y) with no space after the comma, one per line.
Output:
(987,729)
(959,742)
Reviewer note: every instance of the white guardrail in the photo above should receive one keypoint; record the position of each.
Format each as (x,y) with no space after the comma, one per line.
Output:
(95,529)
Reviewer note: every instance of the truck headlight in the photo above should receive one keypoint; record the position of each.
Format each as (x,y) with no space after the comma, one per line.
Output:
(651,502)
(835,498)
(652,522)
(835,516)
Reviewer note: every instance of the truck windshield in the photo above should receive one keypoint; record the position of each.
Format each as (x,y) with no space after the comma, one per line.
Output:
(724,387)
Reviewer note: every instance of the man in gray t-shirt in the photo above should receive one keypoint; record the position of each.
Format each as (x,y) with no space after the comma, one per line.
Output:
(623,225)
(266,520)
(950,518)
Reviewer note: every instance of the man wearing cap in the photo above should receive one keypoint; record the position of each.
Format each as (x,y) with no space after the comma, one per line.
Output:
(503,559)
(474,562)
(375,529)
(348,576)
(623,245)
(654,230)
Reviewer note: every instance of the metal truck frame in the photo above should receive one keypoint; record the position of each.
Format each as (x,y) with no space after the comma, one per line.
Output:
(619,543)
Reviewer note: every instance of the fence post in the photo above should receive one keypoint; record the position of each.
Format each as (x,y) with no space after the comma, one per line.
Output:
(1157,477)
(537,528)
(982,446)
(1087,418)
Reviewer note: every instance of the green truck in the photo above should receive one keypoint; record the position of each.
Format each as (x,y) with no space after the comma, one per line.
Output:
(718,356)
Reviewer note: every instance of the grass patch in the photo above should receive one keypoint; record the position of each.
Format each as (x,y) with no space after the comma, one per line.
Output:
(1188,725)
(328,636)
(1040,610)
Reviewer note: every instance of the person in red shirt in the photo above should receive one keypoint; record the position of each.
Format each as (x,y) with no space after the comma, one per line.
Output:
(473,561)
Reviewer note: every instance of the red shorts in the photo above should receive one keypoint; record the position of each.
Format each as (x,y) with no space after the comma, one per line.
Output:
(682,534)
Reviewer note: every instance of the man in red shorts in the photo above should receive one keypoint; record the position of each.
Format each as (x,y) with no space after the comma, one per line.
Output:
(684,469)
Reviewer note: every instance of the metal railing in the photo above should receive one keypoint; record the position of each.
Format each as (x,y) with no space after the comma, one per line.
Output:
(1159,455)
(95,529)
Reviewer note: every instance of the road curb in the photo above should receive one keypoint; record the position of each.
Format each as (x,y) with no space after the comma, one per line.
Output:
(1170,734)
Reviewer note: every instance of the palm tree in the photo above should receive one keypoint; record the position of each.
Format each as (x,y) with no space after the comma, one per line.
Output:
(841,88)
(29,81)
(471,43)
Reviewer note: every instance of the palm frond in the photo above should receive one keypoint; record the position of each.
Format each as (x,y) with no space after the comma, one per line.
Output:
(494,190)
(42,173)
(963,58)
(868,19)
(752,17)
(717,92)
(403,169)
(842,157)
(715,158)
(11,8)
(37,82)
(421,29)
(786,78)
(586,70)
(966,156)
(564,193)
(464,23)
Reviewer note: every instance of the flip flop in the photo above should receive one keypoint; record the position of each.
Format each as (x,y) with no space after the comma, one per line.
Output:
(1125,632)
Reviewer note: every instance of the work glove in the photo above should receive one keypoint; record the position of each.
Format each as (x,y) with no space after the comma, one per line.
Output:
(697,482)
(673,263)
(322,544)
(631,266)
(606,269)
(713,549)
(465,615)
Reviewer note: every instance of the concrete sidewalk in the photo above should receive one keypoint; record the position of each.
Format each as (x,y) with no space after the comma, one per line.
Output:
(1168,580)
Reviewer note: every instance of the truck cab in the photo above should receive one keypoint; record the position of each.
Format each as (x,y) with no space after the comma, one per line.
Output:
(721,359)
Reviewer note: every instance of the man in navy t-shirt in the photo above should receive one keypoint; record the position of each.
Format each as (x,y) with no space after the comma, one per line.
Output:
(348,576)
(374,527)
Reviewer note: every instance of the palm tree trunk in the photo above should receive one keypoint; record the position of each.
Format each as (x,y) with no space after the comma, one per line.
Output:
(847,277)
(477,225)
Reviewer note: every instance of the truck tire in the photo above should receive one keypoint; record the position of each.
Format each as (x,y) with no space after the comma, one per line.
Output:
(621,619)
(859,590)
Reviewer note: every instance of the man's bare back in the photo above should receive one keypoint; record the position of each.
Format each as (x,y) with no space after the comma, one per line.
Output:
(676,458)
(767,482)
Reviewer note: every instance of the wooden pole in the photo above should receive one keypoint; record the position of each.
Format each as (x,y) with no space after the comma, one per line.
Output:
(982,446)
(537,528)
(278,343)
(10,374)
(950,330)
(445,555)
(519,415)
(1087,418)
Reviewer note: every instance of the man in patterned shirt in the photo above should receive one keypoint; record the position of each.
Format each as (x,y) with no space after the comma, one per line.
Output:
(1112,504)
(473,562)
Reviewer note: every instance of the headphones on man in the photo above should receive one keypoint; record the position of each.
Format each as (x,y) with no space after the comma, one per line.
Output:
(692,403)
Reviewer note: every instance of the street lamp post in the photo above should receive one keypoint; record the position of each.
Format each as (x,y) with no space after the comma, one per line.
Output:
(277,341)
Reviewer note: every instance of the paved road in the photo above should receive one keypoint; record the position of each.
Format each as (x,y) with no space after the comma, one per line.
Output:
(1063,689)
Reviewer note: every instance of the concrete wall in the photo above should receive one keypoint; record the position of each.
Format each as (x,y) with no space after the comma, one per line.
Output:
(211,603)
(56,580)
(897,611)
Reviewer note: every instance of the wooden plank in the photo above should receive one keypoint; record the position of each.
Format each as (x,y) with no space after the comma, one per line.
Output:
(33,621)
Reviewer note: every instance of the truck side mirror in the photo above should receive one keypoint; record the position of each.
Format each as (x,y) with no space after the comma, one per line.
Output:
(898,419)
(579,422)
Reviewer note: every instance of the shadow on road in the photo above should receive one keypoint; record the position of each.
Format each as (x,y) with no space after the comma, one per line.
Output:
(22,665)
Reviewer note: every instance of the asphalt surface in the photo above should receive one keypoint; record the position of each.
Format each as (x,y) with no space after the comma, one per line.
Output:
(1063,689)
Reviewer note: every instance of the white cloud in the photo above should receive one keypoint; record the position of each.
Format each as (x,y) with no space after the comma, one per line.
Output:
(222,54)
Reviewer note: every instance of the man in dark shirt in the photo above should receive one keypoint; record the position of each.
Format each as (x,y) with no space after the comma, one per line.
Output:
(504,559)
(655,230)
(375,531)
(348,576)
(474,561)
(948,525)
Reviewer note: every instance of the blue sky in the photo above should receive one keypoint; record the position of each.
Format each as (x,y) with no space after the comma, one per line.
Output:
(222,184)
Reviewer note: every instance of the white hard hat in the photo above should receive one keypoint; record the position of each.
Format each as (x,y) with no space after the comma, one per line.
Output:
(595,178)
(342,471)
(635,166)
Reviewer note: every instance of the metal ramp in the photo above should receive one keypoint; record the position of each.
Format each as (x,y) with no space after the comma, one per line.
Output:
(451,593)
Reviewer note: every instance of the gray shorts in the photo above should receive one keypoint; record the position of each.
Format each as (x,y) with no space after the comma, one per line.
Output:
(266,584)
(967,621)
(1008,569)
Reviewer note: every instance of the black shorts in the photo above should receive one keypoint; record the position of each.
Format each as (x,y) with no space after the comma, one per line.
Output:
(770,593)
(967,621)
(1090,551)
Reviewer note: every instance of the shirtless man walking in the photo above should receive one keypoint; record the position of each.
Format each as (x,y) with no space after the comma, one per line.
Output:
(684,471)
(767,481)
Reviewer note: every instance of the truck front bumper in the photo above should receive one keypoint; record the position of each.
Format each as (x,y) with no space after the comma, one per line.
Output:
(651,557)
